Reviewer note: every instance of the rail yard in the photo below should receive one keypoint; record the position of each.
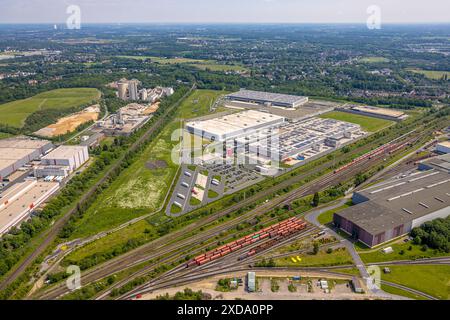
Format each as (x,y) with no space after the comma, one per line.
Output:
(175,246)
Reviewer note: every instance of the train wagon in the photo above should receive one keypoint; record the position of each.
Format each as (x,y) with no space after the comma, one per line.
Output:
(274,232)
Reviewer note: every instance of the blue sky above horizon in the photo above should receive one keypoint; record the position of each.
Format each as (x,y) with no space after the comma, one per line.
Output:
(224,11)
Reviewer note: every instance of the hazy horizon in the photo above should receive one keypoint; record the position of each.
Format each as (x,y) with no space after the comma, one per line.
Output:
(224,12)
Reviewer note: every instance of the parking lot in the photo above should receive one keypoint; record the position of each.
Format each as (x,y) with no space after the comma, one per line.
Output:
(194,189)
(236,177)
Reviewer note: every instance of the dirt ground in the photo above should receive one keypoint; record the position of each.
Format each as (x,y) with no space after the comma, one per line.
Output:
(341,291)
(152,109)
(157,164)
(67,124)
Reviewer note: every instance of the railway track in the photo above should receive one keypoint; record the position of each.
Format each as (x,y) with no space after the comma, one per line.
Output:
(154,249)
(141,254)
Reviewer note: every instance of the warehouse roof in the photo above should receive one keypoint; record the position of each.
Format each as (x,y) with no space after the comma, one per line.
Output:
(380,111)
(231,124)
(445,144)
(14,153)
(4,163)
(400,200)
(439,163)
(23,143)
(64,152)
(266,96)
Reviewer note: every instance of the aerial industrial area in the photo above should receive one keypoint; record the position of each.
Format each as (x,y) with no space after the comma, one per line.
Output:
(190,163)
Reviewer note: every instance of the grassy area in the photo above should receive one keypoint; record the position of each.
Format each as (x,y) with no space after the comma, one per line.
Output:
(14,113)
(431,279)
(367,123)
(175,209)
(197,63)
(327,217)
(140,190)
(402,251)
(212,194)
(198,103)
(220,67)
(351,271)
(400,292)
(194,201)
(322,259)
(374,60)
(112,240)
(430,74)
(4,135)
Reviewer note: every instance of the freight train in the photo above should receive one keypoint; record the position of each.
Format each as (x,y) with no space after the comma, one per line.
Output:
(275,232)
(388,148)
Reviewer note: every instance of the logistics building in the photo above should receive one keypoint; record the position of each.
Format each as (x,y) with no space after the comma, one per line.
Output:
(62,161)
(393,208)
(268,98)
(382,113)
(313,135)
(19,151)
(443,147)
(19,201)
(235,125)
(441,163)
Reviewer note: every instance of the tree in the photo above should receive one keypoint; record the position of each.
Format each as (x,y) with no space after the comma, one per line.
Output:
(316,248)
(316,199)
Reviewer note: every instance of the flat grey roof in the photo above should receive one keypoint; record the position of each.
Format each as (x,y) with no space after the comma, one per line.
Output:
(266,96)
(399,201)
(440,162)
(23,142)
(64,152)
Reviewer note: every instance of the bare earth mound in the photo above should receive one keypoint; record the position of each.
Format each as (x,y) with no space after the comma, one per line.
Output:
(156,164)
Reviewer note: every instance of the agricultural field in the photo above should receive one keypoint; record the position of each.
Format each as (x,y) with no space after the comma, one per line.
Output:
(14,113)
(367,123)
(374,60)
(197,63)
(431,279)
(142,188)
(430,74)
(220,67)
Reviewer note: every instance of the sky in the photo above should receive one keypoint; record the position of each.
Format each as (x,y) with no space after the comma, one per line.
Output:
(225,11)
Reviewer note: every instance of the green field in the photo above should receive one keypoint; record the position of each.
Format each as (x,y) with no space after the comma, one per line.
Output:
(322,259)
(327,217)
(400,292)
(140,190)
(433,75)
(367,123)
(402,251)
(14,113)
(374,60)
(198,63)
(4,135)
(219,67)
(431,279)
(198,103)
(161,60)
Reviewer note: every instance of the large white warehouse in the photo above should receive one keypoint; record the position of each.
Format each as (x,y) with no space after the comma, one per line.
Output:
(234,125)
(67,156)
(18,151)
